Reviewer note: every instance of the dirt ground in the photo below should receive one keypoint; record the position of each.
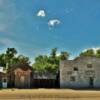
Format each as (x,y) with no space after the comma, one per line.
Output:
(49,94)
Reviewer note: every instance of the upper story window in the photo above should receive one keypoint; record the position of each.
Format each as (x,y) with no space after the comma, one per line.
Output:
(75,69)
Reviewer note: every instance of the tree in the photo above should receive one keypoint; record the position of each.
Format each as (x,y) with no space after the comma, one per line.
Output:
(64,55)
(40,63)
(22,59)
(9,57)
(53,52)
(10,53)
(44,63)
(2,60)
(15,60)
(88,52)
(98,53)
(53,57)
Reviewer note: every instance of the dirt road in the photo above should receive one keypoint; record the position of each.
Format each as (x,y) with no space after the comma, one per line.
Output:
(49,94)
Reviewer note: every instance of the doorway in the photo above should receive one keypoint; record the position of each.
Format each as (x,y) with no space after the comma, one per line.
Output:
(4,83)
(91,82)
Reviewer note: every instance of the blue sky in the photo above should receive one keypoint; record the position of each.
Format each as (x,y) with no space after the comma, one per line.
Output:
(35,26)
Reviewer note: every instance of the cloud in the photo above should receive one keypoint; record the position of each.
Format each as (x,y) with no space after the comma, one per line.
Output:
(3,27)
(7,15)
(1,2)
(41,13)
(54,22)
(5,42)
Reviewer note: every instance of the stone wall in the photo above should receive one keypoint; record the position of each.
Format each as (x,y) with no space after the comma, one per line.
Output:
(80,73)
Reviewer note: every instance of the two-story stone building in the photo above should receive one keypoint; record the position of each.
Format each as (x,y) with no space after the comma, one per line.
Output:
(82,72)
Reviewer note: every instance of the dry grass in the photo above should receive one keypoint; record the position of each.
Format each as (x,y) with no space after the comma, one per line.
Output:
(49,94)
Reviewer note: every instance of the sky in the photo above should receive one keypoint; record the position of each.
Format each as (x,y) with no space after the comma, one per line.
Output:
(34,27)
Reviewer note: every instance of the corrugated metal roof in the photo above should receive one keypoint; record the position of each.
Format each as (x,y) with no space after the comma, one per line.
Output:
(46,75)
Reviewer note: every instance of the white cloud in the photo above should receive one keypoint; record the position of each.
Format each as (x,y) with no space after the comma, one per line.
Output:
(6,41)
(7,15)
(3,27)
(54,22)
(41,13)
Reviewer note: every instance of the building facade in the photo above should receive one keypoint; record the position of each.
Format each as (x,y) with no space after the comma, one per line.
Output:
(20,76)
(82,72)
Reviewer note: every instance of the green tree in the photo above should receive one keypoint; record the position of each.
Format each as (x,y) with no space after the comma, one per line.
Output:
(15,60)
(88,52)
(22,59)
(44,63)
(64,55)
(10,53)
(40,63)
(2,60)
(53,56)
(98,53)
(9,57)
(53,52)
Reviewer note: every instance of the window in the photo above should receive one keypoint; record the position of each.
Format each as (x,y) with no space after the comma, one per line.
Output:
(89,65)
(72,78)
(75,69)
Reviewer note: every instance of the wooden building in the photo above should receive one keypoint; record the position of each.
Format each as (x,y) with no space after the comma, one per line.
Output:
(20,76)
(23,76)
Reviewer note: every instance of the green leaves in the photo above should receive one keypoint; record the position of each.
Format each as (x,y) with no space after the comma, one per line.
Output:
(44,63)
(11,52)
(98,53)
(64,55)
(2,60)
(9,57)
(91,53)
(88,52)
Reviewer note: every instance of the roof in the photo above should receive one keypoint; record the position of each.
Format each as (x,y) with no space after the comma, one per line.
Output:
(24,67)
(2,74)
(45,75)
(85,57)
(88,59)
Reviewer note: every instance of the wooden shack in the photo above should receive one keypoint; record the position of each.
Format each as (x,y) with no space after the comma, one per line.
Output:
(20,76)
